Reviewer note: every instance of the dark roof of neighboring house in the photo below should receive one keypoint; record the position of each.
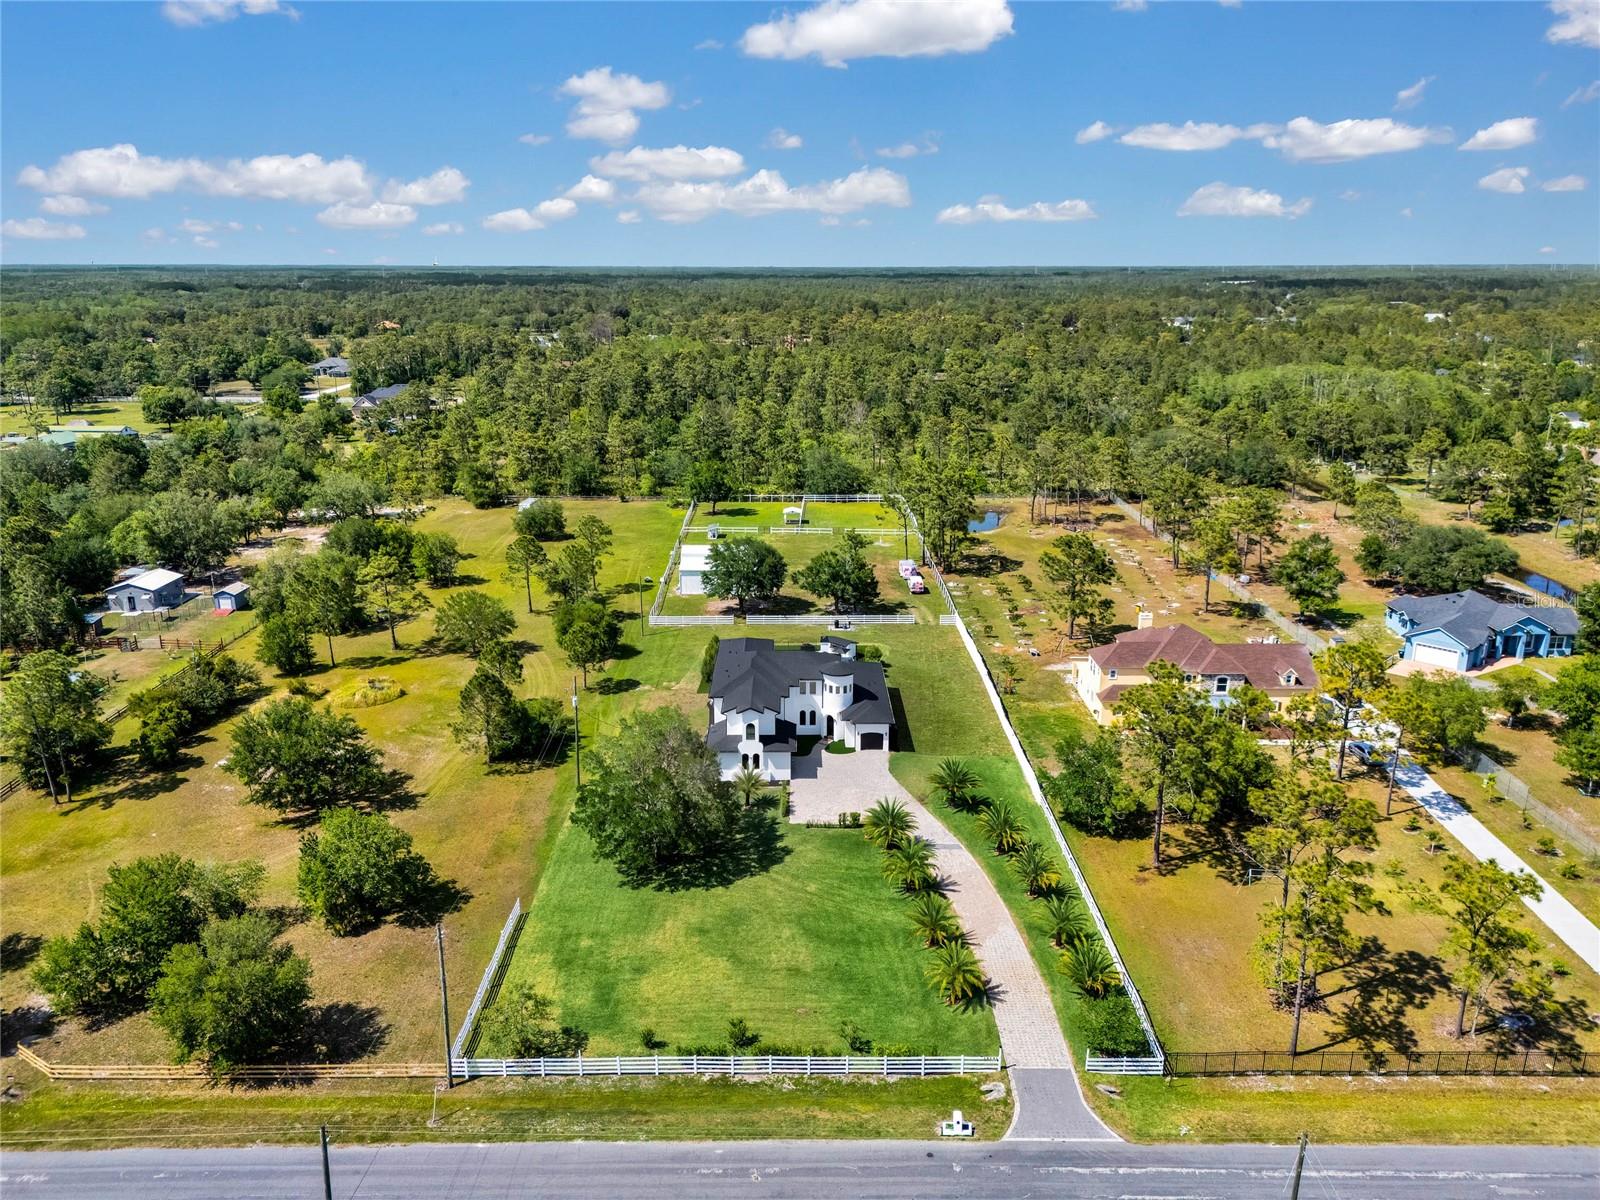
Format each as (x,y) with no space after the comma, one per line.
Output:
(379,395)
(1263,664)
(834,639)
(1470,617)
(751,674)
(333,362)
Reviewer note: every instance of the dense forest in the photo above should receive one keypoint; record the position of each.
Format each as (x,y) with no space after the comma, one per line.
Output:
(938,385)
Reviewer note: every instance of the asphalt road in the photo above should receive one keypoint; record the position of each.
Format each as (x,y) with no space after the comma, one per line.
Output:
(994,1171)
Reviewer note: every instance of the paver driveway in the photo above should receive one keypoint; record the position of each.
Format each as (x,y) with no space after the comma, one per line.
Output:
(826,785)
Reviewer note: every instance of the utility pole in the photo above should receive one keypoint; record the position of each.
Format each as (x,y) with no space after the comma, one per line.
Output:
(647,582)
(327,1177)
(577,731)
(444,1009)
(1299,1166)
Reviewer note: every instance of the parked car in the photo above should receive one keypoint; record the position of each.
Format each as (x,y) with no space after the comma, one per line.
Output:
(908,568)
(1362,751)
(917,584)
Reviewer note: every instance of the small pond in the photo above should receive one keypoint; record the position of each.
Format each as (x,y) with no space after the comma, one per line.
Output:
(1543,583)
(991,520)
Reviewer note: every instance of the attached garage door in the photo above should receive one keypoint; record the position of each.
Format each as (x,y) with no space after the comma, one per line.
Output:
(872,741)
(1436,656)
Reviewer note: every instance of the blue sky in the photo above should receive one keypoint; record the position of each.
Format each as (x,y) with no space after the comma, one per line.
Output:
(850,133)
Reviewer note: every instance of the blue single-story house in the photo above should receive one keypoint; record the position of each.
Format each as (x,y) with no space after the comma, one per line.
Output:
(1464,631)
(335,366)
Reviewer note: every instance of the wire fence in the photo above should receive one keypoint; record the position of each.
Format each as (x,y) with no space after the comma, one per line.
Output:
(1514,790)
(718,1064)
(1364,1062)
(116,714)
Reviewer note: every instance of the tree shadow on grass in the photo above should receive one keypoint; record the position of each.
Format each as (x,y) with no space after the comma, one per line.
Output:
(615,687)
(23,1022)
(432,898)
(121,776)
(390,792)
(988,562)
(18,950)
(1387,990)
(754,847)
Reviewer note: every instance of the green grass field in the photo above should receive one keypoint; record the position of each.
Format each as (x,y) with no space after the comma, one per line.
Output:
(487,829)
(102,1115)
(104,412)
(795,948)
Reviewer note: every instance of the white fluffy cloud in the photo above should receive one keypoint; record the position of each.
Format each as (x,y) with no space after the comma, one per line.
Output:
(781,139)
(1305,140)
(71,206)
(1504,135)
(992,208)
(534,139)
(1222,200)
(1508,180)
(669,162)
(443,229)
(629,216)
(1410,97)
(607,104)
(767,192)
(1191,135)
(37,229)
(376,214)
(1130,5)
(1578,23)
(445,186)
(523,220)
(1567,183)
(123,172)
(592,188)
(1096,132)
(837,31)
(929,144)
(189,13)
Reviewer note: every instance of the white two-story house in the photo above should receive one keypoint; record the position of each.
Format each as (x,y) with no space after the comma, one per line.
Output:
(763,700)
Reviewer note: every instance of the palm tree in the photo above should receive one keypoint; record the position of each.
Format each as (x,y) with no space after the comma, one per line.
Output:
(1037,869)
(956,974)
(1069,921)
(748,785)
(934,919)
(1000,825)
(956,781)
(910,865)
(1090,969)
(887,824)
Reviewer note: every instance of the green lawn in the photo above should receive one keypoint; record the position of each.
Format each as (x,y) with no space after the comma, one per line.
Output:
(102,1115)
(743,515)
(813,939)
(105,412)
(1419,1110)
(795,948)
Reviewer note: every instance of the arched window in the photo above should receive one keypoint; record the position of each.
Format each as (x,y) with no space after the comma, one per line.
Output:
(755,762)
(744,760)
(750,733)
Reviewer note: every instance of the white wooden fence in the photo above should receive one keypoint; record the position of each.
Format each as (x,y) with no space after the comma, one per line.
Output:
(1099,1064)
(487,984)
(835,620)
(706,1064)
(669,619)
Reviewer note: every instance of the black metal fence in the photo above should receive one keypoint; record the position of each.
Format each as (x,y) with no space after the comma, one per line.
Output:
(1361,1062)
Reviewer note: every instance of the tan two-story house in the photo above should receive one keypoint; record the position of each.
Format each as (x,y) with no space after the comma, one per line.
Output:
(1282,670)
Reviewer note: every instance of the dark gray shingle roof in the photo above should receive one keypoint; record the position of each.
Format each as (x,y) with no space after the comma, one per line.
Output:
(1470,617)
(752,674)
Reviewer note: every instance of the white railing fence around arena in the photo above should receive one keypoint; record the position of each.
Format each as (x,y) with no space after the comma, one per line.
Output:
(749,1064)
